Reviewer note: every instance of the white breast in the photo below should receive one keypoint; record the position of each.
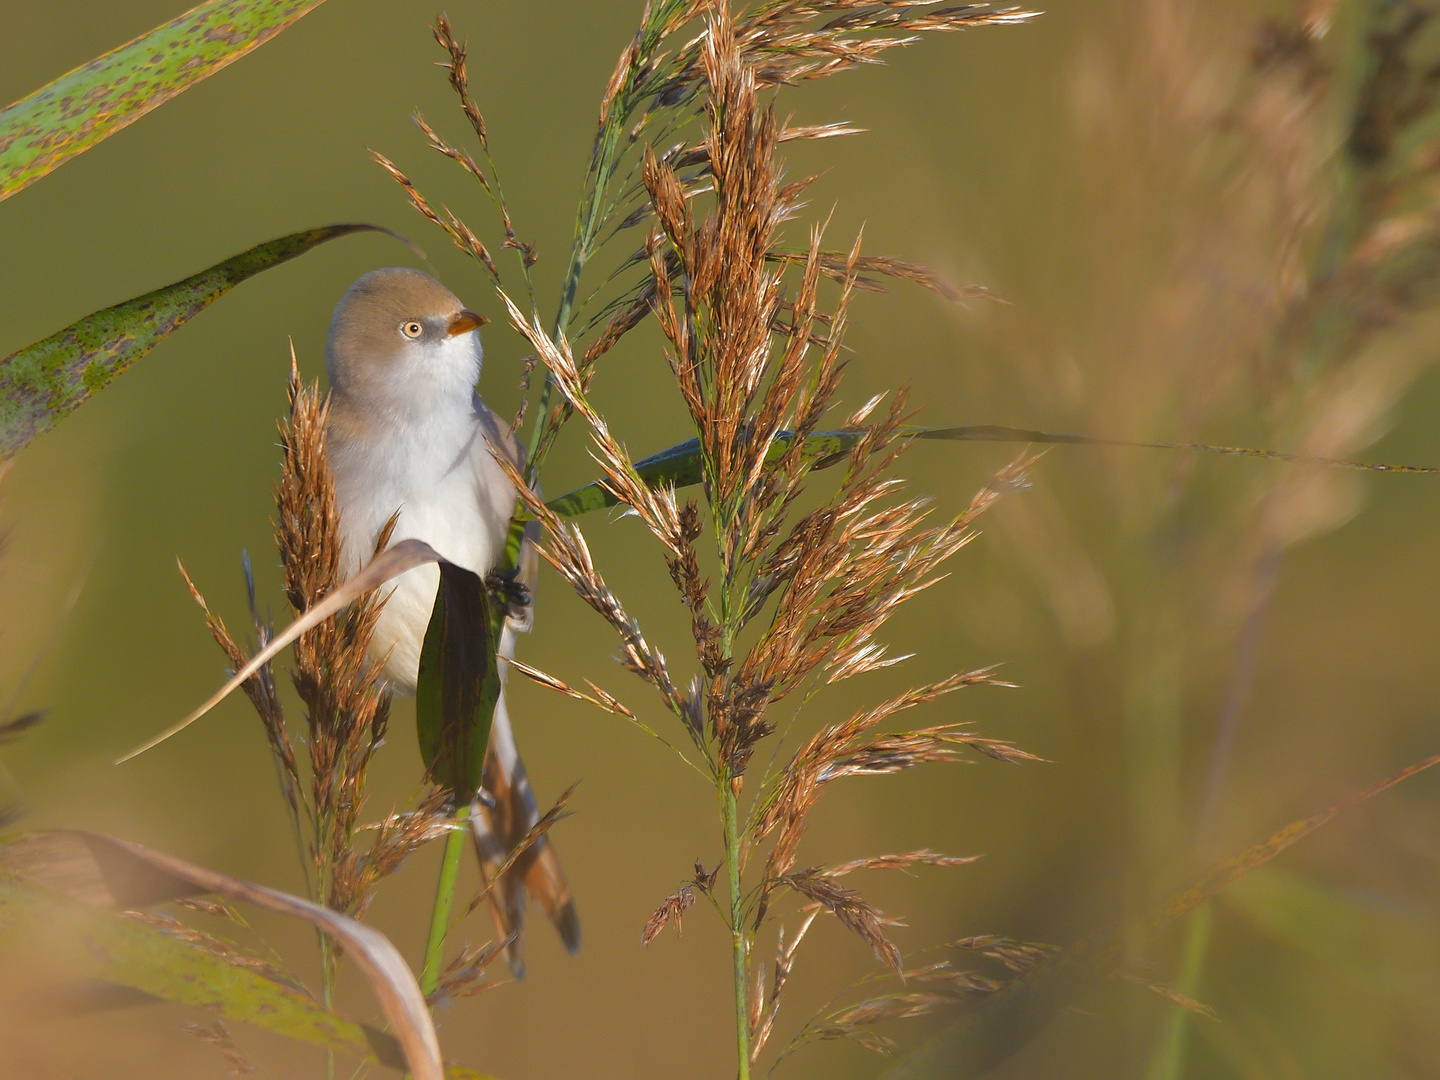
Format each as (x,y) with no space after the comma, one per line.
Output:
(443,479)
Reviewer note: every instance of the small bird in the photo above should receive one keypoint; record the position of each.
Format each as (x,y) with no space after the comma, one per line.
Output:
(408,433)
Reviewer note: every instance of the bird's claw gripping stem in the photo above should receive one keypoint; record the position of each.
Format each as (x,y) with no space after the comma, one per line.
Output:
(509,592)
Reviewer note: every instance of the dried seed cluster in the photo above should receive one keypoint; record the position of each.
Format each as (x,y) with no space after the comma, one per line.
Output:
(785,599)
(346,705)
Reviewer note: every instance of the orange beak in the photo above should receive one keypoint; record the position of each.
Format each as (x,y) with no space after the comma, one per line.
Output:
(463,321)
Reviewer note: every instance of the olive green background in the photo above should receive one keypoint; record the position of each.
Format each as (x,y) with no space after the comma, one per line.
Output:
(972,163)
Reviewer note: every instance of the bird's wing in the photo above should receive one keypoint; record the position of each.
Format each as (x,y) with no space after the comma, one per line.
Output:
(498,433)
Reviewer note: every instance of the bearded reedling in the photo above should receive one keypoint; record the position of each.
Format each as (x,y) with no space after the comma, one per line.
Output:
(408,434)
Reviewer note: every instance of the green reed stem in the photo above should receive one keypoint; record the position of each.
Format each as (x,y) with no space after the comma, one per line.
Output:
(1169,1060)
(590,217)
(444,901)
(738,943)
(589,220)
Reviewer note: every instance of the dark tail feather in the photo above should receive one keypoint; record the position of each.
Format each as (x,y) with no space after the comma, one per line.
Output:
(497,831)
(547,885)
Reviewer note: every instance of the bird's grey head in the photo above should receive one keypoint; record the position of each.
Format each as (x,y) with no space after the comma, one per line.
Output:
(400,342)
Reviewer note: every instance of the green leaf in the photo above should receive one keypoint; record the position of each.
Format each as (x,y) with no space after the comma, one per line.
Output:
(458,684)
(680,466)
(91,103)
(42,382)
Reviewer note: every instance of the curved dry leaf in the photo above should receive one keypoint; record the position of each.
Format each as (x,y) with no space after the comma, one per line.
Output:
(116,874)
(390,563)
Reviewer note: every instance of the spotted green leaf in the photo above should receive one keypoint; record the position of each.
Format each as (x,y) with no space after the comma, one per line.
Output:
(44,381)
(97,99)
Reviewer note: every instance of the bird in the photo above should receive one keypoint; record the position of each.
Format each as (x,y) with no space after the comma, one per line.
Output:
(409,437)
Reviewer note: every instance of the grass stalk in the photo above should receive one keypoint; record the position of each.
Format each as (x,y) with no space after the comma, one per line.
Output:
(1169,1060)
(587,226)
(444,901)
(590,219)
(738,943)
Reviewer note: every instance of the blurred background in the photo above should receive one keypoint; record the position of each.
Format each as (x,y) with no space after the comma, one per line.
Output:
(1206,647)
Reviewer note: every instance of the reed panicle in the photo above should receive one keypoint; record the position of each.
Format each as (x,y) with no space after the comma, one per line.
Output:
(780,600)
(783,600)
(789,566)
(346,704)
(465,975)
(657,88)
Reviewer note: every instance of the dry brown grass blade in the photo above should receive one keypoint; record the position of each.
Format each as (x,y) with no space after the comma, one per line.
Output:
(116,874)
(1010,1019)
(92,870)
(391,563)
(1170,994)
(1236,867)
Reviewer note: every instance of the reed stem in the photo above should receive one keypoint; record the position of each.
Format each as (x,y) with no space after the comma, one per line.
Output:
(1168,1062)
(444,901)
(737,924)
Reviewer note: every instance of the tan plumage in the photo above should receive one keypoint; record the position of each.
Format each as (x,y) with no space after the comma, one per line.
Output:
(408,433)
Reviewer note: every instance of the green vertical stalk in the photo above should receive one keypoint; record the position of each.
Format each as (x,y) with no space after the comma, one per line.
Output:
(587,226)
(329,958)
(444,900)
(737,924)
(1169,1060)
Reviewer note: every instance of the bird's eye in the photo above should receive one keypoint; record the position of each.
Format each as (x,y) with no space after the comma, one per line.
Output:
(411,329)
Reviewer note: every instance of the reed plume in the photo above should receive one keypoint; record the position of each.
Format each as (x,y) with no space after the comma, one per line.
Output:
(346,704)
(783,601)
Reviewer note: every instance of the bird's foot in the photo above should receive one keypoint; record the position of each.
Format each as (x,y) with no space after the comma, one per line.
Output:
(512,594)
